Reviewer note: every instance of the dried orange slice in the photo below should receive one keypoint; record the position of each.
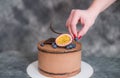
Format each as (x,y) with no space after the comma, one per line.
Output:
(63,40)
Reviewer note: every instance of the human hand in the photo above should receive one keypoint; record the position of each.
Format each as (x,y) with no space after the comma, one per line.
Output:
(85,17)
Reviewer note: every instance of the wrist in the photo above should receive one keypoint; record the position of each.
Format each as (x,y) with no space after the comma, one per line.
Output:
(93,12)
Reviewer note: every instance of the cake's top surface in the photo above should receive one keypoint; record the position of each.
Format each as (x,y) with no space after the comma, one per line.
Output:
(50,49)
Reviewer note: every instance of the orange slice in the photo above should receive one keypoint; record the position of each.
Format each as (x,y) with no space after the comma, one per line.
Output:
(63,40)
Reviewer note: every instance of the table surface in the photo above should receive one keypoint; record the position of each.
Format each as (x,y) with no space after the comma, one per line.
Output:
(13,64)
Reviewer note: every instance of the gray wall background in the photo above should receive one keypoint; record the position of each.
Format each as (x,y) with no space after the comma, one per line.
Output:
(25,22)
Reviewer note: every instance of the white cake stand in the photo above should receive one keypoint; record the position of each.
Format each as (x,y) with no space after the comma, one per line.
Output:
(86,71)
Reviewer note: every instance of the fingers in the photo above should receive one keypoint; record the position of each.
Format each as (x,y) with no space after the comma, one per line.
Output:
(68,25)
(69,18)
(72,22)
(70,32)
(79,16)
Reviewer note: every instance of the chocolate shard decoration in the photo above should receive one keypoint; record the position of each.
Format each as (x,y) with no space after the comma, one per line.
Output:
(54,30)
(49,41)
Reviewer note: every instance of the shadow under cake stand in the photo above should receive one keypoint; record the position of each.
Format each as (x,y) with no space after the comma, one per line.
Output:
(86,71)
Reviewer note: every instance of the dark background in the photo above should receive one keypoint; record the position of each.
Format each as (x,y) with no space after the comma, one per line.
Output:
(25,22)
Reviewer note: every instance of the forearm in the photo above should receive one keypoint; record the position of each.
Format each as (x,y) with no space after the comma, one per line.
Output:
(100,5)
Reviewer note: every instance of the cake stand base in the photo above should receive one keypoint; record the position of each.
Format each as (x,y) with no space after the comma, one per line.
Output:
(86,71)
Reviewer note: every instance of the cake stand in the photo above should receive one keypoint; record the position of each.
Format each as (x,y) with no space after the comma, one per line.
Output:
(86,71)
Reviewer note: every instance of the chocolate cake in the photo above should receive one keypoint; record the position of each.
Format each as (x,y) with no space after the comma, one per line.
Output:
(59,62)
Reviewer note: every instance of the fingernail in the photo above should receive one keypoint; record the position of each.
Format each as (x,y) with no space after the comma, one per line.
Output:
(74,35)
(79,37)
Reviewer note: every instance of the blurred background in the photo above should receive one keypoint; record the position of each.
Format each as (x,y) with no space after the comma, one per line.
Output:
(23,23)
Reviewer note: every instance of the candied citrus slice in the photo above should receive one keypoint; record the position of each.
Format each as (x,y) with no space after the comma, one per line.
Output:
(63,40)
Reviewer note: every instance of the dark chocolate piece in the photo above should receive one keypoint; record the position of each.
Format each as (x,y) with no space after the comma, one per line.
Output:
(42,44)
(53,29)
(49,41)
